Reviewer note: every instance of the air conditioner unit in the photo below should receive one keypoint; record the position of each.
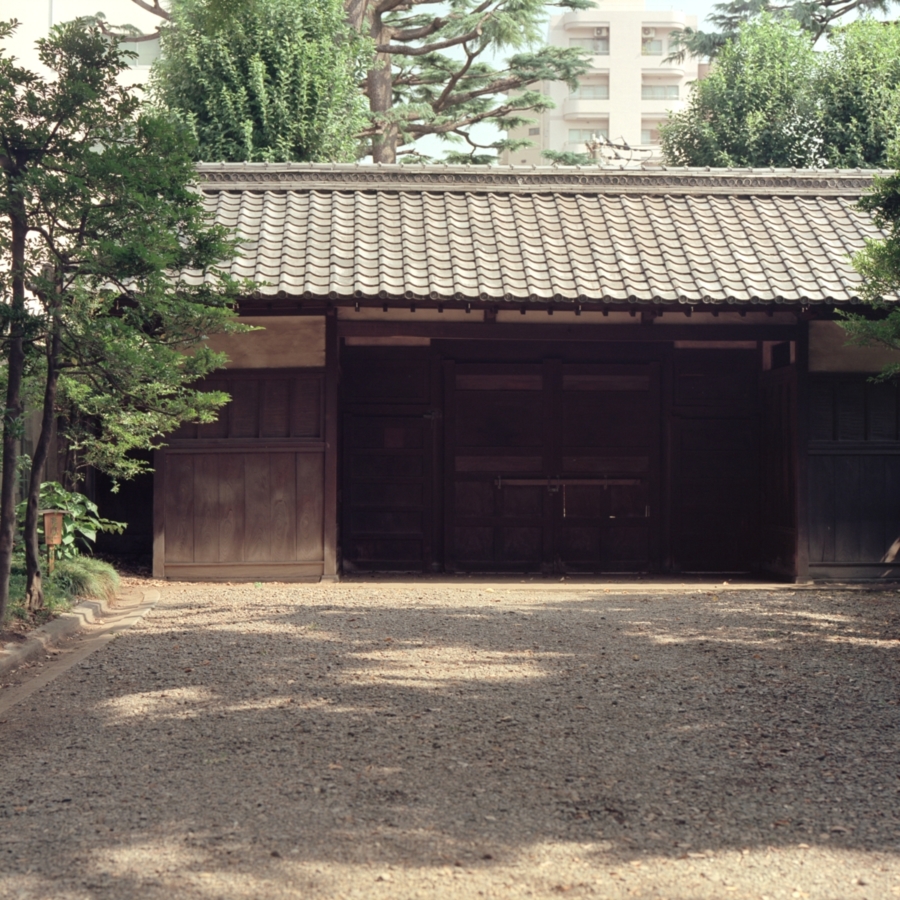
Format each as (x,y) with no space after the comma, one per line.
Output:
(648,32)
(601,32)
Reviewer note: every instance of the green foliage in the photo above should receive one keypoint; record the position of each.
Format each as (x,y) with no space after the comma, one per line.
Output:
(55,598)
(755,108)
(857,88)
(269,81)
(81,523)
(109,196)
(84,577)
(441,74)
(814,19)
(79,578)
(771,100)
(879,265)
(101,222)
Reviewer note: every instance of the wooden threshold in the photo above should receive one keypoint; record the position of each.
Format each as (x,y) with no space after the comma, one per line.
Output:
(263,571)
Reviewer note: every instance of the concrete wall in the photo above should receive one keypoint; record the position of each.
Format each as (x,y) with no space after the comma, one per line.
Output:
(829,352)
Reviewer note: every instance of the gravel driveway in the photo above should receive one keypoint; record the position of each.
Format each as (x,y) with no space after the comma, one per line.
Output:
(465,741)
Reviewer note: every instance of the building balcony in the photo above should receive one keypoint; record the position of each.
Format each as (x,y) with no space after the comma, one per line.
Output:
(580,108)
(587,18)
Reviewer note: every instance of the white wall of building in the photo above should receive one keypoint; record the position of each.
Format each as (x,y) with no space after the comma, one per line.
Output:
(37,17)
(629,89)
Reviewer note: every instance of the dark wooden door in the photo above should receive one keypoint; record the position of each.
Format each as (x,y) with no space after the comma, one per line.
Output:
(715,460)
(387,496)
(607,507)
(551,467)
(496,465)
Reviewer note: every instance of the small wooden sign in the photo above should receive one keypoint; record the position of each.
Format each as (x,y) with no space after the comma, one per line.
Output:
(53,526)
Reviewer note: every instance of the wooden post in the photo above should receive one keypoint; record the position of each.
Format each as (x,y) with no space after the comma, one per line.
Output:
(801,455)
(159,514)
(330,511)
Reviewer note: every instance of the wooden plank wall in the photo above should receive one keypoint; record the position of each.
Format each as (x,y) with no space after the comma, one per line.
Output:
(854,476)
(243,497)
(714,466)
(778,442)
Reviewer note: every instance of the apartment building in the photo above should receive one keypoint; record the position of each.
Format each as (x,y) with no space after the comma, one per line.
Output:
(628,90)
(37,18)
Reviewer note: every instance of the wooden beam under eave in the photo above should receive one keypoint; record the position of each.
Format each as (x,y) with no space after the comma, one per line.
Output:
(479,331)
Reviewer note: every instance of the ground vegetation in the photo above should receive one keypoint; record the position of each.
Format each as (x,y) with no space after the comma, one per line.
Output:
(98,216)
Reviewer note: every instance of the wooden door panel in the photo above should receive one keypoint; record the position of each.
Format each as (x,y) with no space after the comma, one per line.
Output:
(497,419)
(179,508)
(251,513)
(626,548)
(283,510)
(609,419)
(517,502)
(474,498)
(715,479)
(310,505)
(473,544)
(610,433)
(387,492)
(521,545)
(206,510)
(231,508)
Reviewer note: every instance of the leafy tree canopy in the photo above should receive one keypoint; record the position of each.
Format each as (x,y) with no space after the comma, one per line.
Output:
(879,265)
(771,100)
(271,81)
(755,108)
(814,19)
(435,69)
(857,89)
(98,214)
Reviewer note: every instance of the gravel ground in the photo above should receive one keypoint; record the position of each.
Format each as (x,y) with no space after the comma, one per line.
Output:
(463,741)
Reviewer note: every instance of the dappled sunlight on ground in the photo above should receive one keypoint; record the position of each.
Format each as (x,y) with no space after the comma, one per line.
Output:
(397,742)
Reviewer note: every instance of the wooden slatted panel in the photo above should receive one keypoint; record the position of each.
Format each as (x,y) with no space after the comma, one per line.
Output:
(778,531)
(276,408)
(232,509)
(386,492)
(250,507)
(715,466)
(254,509)
(854,473)
(264,405)
(609,428)
(497,428)
(307,404)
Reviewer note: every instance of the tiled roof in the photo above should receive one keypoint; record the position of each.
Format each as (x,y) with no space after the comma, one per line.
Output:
(543,235)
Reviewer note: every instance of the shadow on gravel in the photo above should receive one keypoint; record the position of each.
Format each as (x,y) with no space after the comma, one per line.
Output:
(425,734)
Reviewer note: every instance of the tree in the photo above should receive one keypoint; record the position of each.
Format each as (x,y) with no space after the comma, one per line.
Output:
(434,72)
(815,19)
(99,215)
(879,265)
(857,90)
(755,108)
(277,81)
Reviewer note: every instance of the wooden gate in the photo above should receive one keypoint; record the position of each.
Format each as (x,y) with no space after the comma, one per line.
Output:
(551,467)
(242,497)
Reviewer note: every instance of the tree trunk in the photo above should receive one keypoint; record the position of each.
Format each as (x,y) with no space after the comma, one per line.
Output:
(12,417)
(379,87)
(380,91)
(34,589)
